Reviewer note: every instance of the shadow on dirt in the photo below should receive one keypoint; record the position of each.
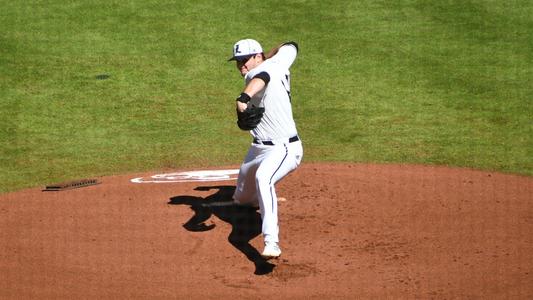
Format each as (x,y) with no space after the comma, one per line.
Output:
(245,221)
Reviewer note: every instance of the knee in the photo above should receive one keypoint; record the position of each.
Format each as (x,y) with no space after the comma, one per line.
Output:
(262,181)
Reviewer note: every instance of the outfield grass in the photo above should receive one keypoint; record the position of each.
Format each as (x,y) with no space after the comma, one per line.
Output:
(426,82)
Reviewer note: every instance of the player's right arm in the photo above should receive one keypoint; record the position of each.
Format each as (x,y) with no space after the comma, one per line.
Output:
(284,54)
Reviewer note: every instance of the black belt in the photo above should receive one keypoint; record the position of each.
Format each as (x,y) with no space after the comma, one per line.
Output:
(270,143)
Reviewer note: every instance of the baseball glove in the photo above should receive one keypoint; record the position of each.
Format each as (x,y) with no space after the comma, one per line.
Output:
(250,118)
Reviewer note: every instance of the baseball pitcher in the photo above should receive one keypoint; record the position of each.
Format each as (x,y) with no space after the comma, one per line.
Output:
(264,109)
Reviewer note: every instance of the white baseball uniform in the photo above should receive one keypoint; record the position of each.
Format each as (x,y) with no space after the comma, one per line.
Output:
(276,149)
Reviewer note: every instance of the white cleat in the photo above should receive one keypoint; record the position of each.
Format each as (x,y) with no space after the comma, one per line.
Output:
(272,250)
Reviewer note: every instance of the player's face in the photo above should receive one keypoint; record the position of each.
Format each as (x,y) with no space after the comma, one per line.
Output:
(247,64)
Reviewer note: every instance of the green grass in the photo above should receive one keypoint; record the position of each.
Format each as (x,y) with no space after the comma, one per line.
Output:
(426,82)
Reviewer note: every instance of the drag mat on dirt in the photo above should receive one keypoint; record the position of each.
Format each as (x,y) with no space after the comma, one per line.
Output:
(347,230)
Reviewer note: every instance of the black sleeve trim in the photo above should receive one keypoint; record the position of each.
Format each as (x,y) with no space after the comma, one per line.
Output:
(292,43)
(263,76)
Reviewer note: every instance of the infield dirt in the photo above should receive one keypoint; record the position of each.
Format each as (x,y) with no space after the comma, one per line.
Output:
(347,231)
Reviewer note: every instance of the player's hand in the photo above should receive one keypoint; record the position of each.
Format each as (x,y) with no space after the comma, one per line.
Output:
(250,117)
(241,107)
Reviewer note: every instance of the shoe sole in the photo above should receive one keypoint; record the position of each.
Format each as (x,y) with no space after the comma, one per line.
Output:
(270,256)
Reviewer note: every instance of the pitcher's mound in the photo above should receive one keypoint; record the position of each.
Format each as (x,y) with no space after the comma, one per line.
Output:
(347,231)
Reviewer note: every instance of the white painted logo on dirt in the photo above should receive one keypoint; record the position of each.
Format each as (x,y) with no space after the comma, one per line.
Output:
(190,176)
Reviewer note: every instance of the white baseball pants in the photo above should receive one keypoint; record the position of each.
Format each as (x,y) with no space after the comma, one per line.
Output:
(263,167)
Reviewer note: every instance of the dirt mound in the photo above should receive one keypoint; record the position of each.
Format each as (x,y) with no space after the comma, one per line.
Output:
(347,230)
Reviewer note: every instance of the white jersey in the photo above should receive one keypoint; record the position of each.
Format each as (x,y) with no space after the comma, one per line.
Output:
(277,121)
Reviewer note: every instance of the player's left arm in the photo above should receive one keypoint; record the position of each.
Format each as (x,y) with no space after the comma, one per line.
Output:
(248,117)
(255,85)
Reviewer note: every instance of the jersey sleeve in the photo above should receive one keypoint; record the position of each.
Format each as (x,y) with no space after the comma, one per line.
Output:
(286,54)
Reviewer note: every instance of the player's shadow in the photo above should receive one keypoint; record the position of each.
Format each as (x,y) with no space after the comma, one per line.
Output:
(245,221)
